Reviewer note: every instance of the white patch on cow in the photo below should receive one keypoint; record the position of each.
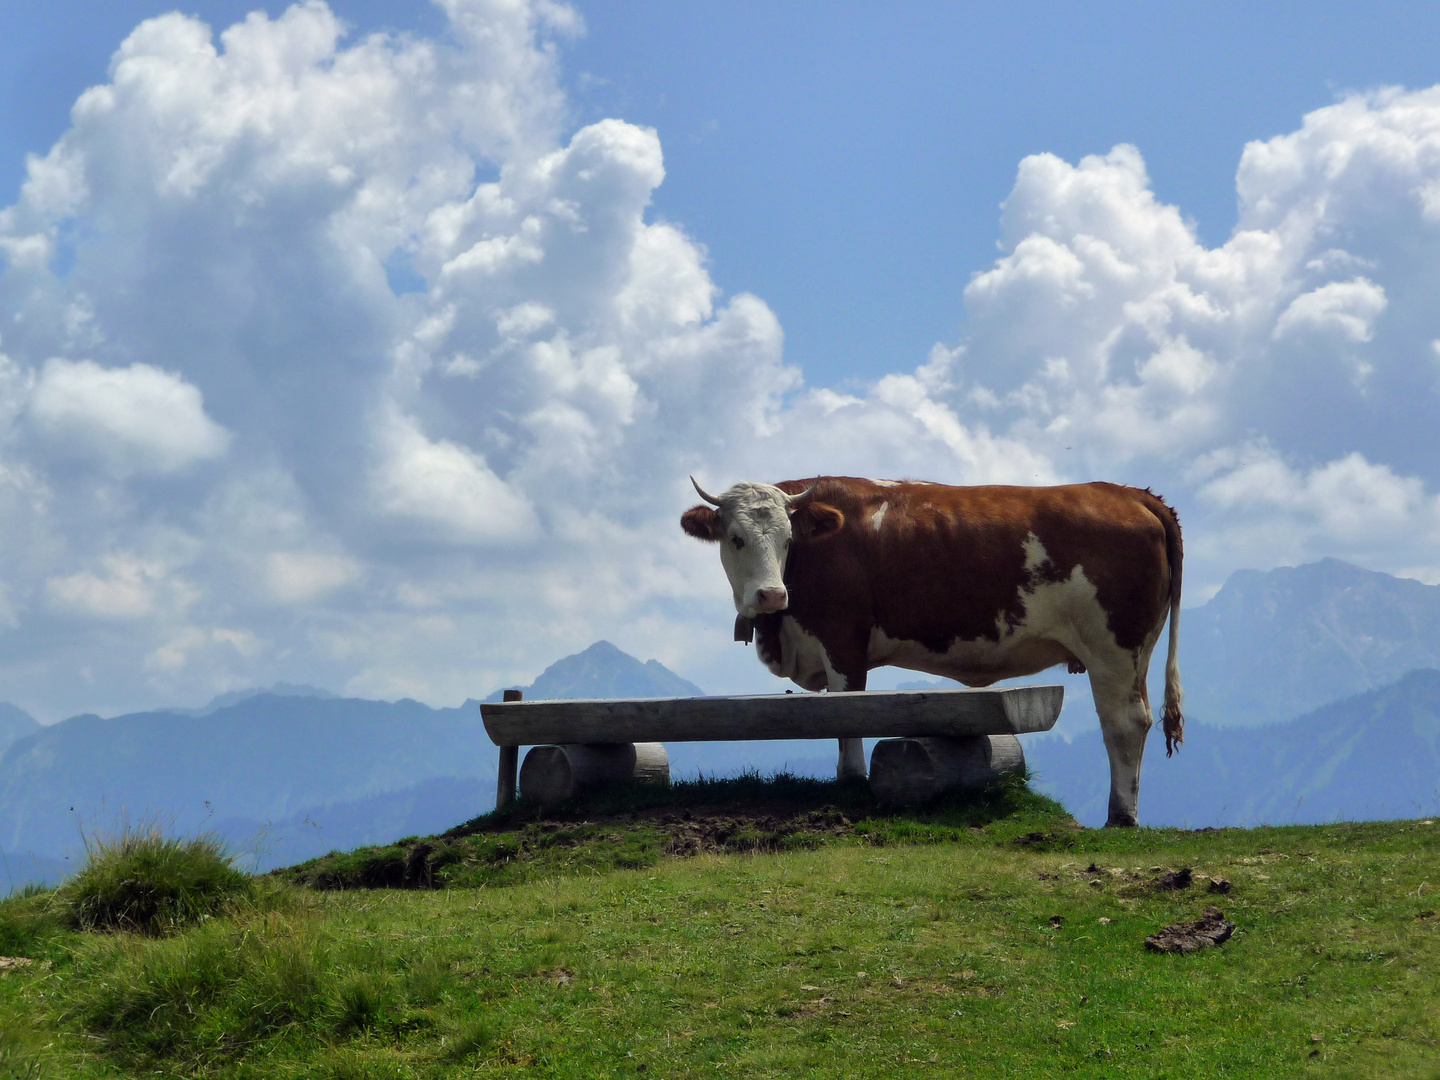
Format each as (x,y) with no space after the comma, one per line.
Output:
(879,516)
(886,483)
(1063,620)
(1035,554)
(803,659)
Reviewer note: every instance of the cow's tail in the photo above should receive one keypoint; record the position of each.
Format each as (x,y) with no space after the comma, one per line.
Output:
(1172,719)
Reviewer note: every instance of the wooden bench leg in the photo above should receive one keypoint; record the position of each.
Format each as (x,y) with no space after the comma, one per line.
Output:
(509,763)
(505,781)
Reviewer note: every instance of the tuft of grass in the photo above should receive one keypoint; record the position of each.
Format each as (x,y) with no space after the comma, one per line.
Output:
(475,1036)
(146,882)
(428,981)
(361,1002)
(217,989)
(29,924)
(19,1059)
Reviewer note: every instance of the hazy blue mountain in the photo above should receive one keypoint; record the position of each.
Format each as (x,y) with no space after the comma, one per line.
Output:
(234,697)
(283,774)
(421,810)
(264,759)
(1270,646)
(1368,757)
(603,671)
(15,723)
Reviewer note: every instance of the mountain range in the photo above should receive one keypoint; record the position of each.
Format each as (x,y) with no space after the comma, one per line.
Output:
(282,775)
(1303,693)
(1372,756)
(1275,645)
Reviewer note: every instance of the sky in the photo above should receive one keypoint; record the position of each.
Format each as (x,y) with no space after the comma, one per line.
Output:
(370,345)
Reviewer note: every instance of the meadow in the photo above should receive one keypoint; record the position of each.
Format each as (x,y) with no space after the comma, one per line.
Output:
(818,936)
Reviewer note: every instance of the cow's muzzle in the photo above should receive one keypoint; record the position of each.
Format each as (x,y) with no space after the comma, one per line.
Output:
(768,601)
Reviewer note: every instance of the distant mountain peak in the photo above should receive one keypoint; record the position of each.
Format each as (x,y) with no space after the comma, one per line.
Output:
(279,689)
(605,671)
(15,724)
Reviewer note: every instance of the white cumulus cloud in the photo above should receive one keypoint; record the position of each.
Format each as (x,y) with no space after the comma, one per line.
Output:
(131,419)
(356,362)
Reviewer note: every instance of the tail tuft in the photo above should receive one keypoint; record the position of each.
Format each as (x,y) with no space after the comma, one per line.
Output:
(1173,722)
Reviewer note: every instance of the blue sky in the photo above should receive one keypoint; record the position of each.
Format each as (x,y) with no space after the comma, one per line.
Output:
(836,158)
(381,366)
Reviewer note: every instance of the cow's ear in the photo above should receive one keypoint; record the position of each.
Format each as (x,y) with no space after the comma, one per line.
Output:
(814,520)
(703,523)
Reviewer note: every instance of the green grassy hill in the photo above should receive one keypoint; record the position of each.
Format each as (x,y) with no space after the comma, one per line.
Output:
(784,930)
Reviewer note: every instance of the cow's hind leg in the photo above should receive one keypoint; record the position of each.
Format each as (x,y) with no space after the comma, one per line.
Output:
(1124,708)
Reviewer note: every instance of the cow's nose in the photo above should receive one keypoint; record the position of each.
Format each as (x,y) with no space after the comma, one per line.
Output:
(771,599)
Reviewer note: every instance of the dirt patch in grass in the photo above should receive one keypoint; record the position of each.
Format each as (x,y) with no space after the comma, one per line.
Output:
(751,828)
(1206,932)
(738,826)
(634,828)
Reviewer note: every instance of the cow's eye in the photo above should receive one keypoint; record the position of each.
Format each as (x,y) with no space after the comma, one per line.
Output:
(739,542)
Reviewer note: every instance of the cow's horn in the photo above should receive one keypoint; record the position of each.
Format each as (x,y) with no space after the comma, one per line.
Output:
(705,494)
(796,500)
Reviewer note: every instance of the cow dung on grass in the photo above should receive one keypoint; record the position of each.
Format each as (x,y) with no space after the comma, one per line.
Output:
(1210,930)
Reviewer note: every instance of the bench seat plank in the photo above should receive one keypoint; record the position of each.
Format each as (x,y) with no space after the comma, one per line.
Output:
(1013,710)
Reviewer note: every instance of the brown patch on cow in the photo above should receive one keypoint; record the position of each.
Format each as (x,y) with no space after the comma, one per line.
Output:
(703,523)
(767,636)
(1210,930)
(978,534)
(815,520)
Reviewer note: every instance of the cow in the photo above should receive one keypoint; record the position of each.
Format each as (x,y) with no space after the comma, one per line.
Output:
(840,575)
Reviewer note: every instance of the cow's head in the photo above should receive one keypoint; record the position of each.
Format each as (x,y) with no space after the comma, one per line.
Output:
(755,524)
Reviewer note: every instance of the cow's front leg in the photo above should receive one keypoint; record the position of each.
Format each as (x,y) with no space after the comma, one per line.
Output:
(851,765)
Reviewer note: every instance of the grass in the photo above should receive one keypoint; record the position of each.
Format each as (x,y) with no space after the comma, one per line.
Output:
(986,938)
(143,881)
(630,828)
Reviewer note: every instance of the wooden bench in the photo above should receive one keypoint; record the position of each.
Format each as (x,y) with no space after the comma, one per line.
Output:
(934,740)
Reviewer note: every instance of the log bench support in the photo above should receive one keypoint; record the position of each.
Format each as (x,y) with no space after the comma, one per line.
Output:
(906,772)
(559,773)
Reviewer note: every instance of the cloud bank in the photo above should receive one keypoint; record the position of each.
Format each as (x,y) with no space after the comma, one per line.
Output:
(354,362)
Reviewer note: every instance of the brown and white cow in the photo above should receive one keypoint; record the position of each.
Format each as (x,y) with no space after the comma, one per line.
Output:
(841,575)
